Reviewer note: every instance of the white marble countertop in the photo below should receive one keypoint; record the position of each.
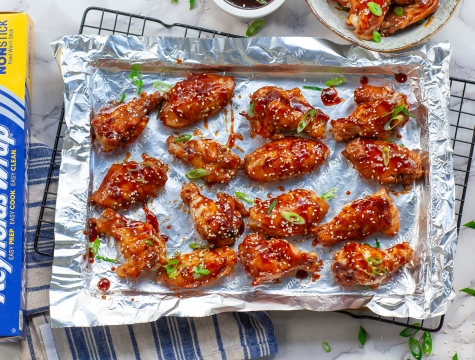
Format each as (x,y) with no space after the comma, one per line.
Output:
(301,333)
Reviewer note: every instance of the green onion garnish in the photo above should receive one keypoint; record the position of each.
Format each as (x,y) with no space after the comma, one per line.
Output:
(251,109)
(375,9)
(341,7)
(262,2)
(386,155)
(326,347)
(399,10)
(254,27)
(378,244)
(195,246)
(409,331)
(426,343)
(379,271)
(470,224)
(393,122)
(183,138)
(171,266)
(99,257)
(399,109)
(161,86)
(330,194)
(415,348)
(455,357)
(309,116)
(272,206)
(200,272)
(376,37)
(421,22)
(197,173)
(122,98)
(316,88)
(362,335)
(367,244)
(192,3)
(245,197)
(468,291)
(292,217)
(335,82)
(149,242)
(95,247)
(374,261)
(136,77)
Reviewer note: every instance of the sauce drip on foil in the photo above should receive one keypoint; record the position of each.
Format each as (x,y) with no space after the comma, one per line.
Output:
(330,97)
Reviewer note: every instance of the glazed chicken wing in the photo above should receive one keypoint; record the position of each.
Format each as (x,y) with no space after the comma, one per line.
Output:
(285,158)
(279,220)
(130,182)
(119,125)
(197,268)
(196,98)
(220,222)
(363,20)
(361,218)
(143,248)
(274,109)
(267,260)
(221,163)
(374,115)
(383,161)
(416,11)
(360,264)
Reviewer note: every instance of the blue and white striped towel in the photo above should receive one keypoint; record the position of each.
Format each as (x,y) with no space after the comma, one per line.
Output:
(224,336)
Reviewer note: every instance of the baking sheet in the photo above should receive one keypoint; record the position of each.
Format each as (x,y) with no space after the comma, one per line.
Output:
(96,70)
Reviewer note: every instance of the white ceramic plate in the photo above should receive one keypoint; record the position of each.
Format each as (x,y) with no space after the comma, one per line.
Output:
(334,19)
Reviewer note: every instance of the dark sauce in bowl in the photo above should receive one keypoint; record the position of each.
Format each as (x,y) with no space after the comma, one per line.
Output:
(249,4)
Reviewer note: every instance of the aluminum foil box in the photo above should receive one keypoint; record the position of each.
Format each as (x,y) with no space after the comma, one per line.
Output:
(16,57)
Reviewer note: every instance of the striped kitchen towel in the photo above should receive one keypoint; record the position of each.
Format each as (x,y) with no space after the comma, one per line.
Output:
(224,336)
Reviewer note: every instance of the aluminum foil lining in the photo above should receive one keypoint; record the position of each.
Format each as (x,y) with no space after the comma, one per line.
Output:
(96,70)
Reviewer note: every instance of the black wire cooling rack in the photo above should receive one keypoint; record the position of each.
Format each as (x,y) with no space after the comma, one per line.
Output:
(104,21)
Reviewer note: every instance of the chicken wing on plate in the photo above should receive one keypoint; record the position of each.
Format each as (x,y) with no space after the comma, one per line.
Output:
(285,158)
(361,218)
(380,112)
(295,213)
(267,260)
(383,161)
(197,268)
(363,20)
(196,98)
(143,248)
(274,109)
(360,264)
(218,160)
(119,125)
(130,182)
(218,222)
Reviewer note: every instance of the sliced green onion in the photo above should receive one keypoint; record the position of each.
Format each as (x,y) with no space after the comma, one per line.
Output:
(468,291)
(374,260)
(455,357)
(99,257)
(200,272)
(149,242)
(326,347)
(376,37)
(171,266)
(183,138)
(406,112)
(251,109)
(341,7)
(330,194)
(335,82)
(399,10)
(379,271)
(254,27)
(415,348)
(421,22)
(192,3)
(426,343)
(262,2)
(245,197)
(367,244)
(375,9)
(386,155)
(292,217)
(161,86)
(271,207)
(316,88)
(378,244)
(393,122)
(362,335)
(95,246)
(401,145)
(197,173)
(470,224)
(409,331)
(122,98)
(195,246)
(136,78)
(309,116)
(177,271)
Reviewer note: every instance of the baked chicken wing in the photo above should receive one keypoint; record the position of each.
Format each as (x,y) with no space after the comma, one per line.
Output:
(141,245)
(383,161)
(363,20)
(197,268)
(374,116)
(361,218)
(414,12)
(196,98)
(131,182)
(220,222)
(267,260)
(295,213)
(285,158)
(119,125)
(360,264)
(274,109)
(219,160)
